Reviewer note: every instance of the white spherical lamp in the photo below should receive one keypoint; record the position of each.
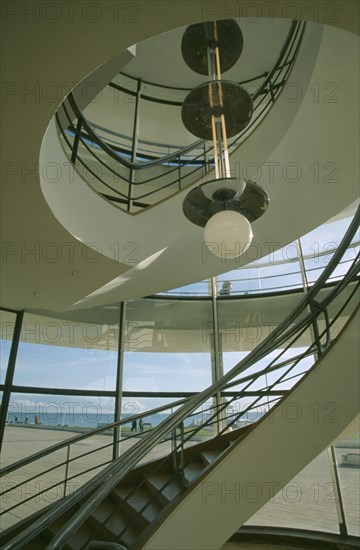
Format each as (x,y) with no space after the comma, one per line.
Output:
(228,234)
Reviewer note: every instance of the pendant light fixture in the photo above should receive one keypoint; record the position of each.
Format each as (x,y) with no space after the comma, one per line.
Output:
(218,110)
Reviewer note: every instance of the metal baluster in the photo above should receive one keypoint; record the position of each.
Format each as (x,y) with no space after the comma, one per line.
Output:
(179,171)
(134,142)
(76,141)
(66,469)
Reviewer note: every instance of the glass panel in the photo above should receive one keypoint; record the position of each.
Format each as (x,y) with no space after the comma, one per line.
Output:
(169,346)
(7,324)
(202,288)
(319,246)
(324,238)
(307,502)
(63,413)
(58,353)
(347,453)
(239,281)
(36,422)
(244,323)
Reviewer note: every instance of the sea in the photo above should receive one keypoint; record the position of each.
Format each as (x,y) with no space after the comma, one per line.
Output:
(82,420)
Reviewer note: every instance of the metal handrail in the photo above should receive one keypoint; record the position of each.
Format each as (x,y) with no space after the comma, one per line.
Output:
(62,444)
(103,483)
(97,431)
(179,448)
(137,453)
(67,443)
(268,266)
(176,156)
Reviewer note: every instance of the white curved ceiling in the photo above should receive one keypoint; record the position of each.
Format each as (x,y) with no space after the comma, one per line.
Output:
(44,266)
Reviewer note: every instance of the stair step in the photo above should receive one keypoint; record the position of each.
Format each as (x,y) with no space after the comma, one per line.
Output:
(114,521)
(120,526)
(193,470)
(208,457)
(165,494)
(130,505)
(78,539)
(141,500)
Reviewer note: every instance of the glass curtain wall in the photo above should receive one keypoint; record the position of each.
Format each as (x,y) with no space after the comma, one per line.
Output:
(73,374)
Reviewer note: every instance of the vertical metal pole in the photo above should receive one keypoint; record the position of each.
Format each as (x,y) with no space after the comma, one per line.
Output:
(221,153)
(312,329)
(119,380)
(66,469)
(338,497)
(10,374)
(179,172)
(272,95)
(217,364)
(206,160)
(76,141)
(134,141)
(302,265)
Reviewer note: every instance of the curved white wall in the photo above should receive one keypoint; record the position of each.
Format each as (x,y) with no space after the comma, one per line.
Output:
(308,177)
(36,280)
(271,455)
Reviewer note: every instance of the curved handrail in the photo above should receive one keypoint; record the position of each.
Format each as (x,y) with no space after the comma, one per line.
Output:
(135,454)
(293,31)
(280,288)
(109,151)
(296,322)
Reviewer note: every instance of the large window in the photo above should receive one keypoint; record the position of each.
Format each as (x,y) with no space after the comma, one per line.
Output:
(168,346)
(72,374)
(58,353)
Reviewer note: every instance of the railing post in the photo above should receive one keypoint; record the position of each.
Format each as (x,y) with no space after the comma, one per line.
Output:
(217,364)
(119,380)
(181,445)
(179,171)
(313,328)
(76,141)
(178,451)
(271,91)
(10,373)
(206,160)
(66,469)
(134,141)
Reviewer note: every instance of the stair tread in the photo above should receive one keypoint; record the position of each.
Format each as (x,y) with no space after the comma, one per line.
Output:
(210,456)
(172,489)
(119,525)
(193,470)
(140,498)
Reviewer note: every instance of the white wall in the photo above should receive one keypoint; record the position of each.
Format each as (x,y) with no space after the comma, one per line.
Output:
(273,453)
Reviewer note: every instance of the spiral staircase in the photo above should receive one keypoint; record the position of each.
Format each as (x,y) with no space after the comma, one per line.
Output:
(138,505)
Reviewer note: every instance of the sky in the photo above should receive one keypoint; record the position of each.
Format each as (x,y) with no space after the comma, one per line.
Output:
(51,366)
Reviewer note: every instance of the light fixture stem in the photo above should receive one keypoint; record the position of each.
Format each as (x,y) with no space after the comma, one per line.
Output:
(216,153)
(226,159)
(221,153)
